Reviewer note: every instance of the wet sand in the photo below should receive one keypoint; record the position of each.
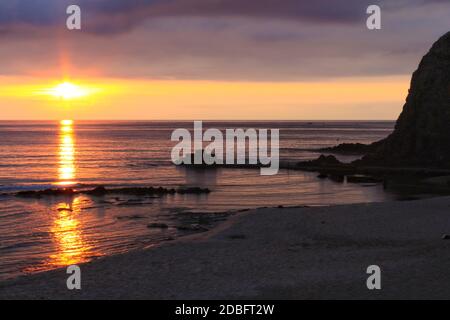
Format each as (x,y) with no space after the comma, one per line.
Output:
(277,253)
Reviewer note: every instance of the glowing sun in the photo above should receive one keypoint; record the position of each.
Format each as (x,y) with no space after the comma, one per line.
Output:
(67,91)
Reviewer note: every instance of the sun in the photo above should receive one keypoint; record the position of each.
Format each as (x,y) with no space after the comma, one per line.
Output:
(68,91)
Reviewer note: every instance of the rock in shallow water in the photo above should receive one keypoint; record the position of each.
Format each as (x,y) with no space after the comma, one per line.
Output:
(102,191)
(47,192)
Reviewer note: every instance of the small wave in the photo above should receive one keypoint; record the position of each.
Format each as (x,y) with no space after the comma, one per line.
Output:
(22,245)
(143,165)
(14,214)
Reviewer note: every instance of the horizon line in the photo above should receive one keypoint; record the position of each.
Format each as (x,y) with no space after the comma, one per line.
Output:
(205,120)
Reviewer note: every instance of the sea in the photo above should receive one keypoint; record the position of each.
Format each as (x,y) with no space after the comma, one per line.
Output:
(42,234)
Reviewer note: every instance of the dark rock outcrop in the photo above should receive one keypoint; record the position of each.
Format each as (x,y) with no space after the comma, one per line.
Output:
(422,133)
(99,191)
(102,191)
(349,149)
(322,161)
(193,190)
(46,193)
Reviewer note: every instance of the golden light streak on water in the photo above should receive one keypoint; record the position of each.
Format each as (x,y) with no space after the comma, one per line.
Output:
(67,166)
(71,247)
(67,228)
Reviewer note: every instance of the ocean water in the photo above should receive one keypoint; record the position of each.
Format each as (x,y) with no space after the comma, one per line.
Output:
(42,234)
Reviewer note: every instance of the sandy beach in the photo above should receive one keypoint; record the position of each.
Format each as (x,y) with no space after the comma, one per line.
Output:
(277,253)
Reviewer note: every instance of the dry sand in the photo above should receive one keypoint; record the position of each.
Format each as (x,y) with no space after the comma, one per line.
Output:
(296,253)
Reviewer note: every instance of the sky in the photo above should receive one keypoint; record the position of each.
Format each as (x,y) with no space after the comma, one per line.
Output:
(213,59)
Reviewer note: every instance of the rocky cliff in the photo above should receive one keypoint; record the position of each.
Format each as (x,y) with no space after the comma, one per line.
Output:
(422,133)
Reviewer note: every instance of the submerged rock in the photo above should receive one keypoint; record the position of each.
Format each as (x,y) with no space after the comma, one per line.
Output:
(102,191)
(193,190)
(141,191)
(99,191)
(47,192)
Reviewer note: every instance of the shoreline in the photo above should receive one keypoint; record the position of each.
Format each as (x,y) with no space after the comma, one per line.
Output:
(276,253)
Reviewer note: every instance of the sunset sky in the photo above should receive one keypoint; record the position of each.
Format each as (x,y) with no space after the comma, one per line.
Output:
(212,59)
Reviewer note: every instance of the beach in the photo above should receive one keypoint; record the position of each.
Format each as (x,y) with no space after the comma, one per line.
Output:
(276,253)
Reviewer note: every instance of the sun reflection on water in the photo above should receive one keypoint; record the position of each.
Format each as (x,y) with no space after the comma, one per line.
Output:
(67,229)
(67,233)
(67,168)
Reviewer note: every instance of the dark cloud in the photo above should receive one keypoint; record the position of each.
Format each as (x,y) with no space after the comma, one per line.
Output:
(103,16)
(277,40)
(318,10)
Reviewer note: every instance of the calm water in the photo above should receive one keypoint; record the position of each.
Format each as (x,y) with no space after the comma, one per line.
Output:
(42,234)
